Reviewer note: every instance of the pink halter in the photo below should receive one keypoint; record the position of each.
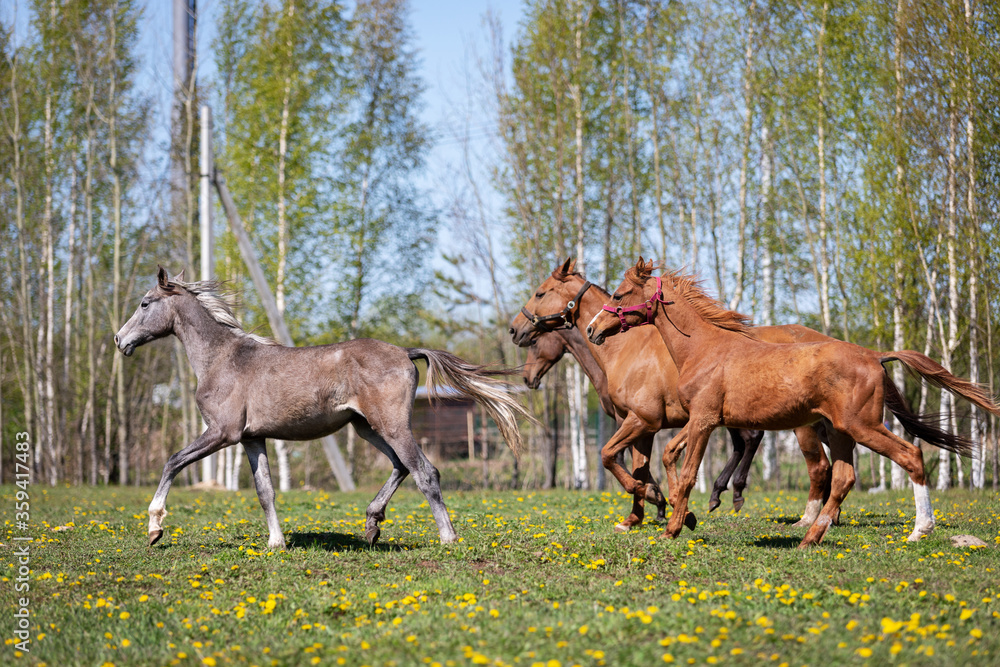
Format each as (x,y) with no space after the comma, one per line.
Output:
(648,305)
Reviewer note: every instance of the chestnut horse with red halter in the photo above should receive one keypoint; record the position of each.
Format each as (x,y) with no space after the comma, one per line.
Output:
(644,399)
(727,376)
(549,347)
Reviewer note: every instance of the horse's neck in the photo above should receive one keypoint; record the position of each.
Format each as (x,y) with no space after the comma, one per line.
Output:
(577,345)
(686,335)
(203,338)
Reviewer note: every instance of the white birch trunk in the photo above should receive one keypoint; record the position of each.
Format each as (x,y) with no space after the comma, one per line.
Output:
(238,455)
(897,308)
(49,410)
(978,422)
(824,254)
(951,344)
(577,431)
(741,238)
(769,461)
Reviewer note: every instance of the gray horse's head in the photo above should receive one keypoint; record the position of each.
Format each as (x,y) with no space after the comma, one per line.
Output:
(154,318)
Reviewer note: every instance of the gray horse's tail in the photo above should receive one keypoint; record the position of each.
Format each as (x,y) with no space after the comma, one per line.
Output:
(479,383)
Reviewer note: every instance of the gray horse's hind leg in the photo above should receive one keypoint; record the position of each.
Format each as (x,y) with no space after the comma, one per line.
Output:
(406,456)
(207,443)
(375,513)
(261,471)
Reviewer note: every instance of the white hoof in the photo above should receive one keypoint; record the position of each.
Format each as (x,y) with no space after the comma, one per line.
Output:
(622,528)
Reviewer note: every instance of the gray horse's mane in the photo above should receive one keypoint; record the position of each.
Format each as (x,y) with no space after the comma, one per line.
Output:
(213,300)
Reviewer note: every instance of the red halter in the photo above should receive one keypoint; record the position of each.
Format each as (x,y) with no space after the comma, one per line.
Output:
(648,305)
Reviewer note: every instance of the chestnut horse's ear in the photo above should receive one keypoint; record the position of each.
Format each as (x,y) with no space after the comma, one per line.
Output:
(161,277)
(567,268)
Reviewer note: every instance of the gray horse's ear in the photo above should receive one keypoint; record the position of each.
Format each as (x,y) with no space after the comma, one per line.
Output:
(161,277)
(179,278)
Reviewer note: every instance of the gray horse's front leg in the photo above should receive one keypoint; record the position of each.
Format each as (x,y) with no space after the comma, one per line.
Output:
(207,443)
(261,471)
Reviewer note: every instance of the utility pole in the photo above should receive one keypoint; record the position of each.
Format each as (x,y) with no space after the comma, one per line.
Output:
(274,317)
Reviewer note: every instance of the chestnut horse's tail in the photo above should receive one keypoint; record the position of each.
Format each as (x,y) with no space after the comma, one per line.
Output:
(924,426)
(479,383)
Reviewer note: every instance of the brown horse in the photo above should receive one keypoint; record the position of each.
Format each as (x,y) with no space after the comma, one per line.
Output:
(549,347)
(250,388)
(645,400)
(545,352)
(727,376)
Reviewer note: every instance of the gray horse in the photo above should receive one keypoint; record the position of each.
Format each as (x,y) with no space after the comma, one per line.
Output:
(251,388)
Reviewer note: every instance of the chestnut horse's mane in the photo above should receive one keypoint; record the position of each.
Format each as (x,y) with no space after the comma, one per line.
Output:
(690,289)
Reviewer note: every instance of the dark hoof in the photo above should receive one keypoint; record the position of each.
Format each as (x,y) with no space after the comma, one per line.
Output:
(661,518)
(691,521)
(714,503)
(154,536)
(738,504)
(371,534)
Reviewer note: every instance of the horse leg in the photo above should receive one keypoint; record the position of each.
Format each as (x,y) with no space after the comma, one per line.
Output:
(842,479)
(697,441)
(883,441)
(257,456)
(207,443)
(671,453)
(375,514)
(631,430)
(819,473)
(641,449)
(722,481)
(753,440)
(644,448)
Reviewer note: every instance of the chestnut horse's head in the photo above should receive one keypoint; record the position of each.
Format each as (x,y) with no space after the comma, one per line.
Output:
(548,348)
(626,310)
(549,307)
(154,318)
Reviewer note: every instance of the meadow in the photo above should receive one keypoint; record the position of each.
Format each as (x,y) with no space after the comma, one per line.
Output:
(538,578)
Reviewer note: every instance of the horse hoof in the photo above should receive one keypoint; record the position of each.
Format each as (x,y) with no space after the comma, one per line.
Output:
(622,528)
(738,504)
(371,534)
(806,544)
(691,521)
(154,536)
(802,523)
(660,519)
(713,504)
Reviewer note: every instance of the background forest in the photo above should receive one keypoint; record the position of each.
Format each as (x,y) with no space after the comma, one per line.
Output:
(834,164)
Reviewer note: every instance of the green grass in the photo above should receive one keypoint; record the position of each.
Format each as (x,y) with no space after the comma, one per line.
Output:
(538,578)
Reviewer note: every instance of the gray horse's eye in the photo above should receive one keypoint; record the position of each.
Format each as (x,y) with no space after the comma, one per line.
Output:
(144,304)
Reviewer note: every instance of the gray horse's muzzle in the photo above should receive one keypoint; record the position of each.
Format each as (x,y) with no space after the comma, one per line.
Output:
(127,350)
